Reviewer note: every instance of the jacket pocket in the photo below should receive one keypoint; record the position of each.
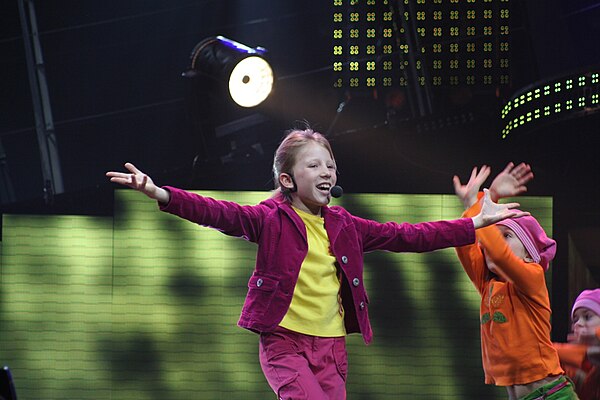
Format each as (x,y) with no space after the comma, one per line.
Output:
(261,290)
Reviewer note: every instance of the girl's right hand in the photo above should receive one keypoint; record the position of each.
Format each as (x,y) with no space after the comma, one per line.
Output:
(139,181)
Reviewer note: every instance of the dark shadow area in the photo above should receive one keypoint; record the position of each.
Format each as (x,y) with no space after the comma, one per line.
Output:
(136,362)
(186,285)
(461,330)
(393,310)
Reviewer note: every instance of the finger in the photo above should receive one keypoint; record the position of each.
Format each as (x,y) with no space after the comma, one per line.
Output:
(131,168)
(525,178)
(519,190)
(485,172)
(521,169)
(457,184)
(508,167)
(486,195)
(511,205)
(519,214)
(122,181)
(473,173)
(114,174)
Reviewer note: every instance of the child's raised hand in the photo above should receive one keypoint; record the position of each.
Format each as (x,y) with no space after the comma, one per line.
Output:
(139,181)
(468,193)
(511,181)
(493,212)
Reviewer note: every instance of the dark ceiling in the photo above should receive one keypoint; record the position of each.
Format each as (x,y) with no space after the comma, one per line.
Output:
(113,70)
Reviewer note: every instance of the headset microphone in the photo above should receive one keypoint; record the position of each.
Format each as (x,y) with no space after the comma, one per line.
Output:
(336,191)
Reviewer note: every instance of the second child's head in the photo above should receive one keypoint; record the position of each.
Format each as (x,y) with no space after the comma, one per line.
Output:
(304,169)
(586,315)
(527,240)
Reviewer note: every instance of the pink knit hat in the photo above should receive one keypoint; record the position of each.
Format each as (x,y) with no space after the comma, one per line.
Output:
(539,246)
(588,299)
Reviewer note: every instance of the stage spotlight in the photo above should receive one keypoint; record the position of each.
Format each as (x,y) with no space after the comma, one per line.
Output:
(248,75)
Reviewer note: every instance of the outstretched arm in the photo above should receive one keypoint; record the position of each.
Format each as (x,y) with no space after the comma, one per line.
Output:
(590,341)
(511,181)
(139,181)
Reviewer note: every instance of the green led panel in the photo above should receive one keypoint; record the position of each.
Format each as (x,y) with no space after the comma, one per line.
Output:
(143,305)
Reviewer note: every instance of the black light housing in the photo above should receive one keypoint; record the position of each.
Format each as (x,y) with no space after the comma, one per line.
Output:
(248,75)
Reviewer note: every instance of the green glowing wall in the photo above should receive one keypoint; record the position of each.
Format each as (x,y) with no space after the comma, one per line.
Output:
(144,305)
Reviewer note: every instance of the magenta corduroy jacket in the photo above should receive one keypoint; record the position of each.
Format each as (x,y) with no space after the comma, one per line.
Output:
(282,247)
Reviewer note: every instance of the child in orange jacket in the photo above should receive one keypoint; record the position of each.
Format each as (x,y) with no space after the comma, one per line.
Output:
(580,357)
(507,267)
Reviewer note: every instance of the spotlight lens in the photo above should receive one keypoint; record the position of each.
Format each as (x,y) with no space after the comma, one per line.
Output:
(251,81)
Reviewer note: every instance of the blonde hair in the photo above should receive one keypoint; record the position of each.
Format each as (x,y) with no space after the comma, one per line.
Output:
(286,154)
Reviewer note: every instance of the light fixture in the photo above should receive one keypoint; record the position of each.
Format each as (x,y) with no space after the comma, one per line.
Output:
(248,75)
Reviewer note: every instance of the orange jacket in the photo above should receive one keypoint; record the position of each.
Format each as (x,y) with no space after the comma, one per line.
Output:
(514,313)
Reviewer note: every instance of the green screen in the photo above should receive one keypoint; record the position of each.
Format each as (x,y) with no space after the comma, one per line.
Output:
(144,305)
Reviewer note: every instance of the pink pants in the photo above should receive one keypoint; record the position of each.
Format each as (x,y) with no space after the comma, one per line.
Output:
(302,367)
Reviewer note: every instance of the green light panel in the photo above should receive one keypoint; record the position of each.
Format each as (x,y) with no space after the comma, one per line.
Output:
(450,42)
(552,101)
(144,305)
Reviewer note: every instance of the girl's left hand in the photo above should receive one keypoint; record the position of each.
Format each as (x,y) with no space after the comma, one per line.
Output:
(468,193)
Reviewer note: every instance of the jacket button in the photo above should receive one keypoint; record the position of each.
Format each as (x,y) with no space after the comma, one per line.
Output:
(344,260)
(259,282)
(362,305)
(355,281)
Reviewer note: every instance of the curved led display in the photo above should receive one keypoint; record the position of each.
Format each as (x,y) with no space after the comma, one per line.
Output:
(552,101)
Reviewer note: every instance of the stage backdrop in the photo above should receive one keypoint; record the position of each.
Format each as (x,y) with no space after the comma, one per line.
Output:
(144,305)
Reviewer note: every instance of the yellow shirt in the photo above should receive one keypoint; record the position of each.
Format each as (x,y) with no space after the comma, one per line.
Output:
(316,308)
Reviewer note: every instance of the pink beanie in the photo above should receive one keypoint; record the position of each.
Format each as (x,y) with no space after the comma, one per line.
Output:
(539,246)
(588,299)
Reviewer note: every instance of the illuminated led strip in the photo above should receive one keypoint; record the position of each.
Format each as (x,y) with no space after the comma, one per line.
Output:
(555,100)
